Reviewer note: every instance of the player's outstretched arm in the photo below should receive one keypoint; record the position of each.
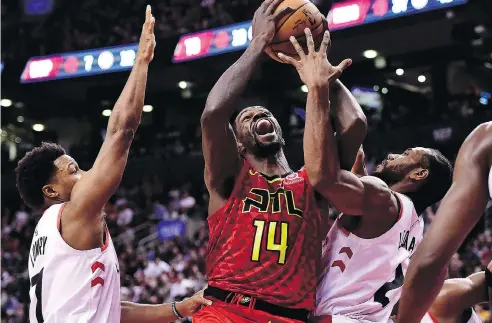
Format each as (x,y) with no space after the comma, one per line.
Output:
(344,190)
(164,313)
(458,213)
(350,124)
(218,141)
(459,294)
(93,190)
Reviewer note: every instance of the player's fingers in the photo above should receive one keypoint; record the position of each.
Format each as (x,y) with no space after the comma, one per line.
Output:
(284,12)
(203,301)
(309,40)
(297,47)
(288,59)
(148,13)
(272,6)
(325,43)
(264,6)
(344,64)
(151,25)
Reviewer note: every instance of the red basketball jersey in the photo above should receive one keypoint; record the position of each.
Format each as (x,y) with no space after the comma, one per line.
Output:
(266,240)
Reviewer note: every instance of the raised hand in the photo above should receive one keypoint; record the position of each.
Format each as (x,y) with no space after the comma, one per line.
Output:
(147,43)
(314,68)
(264,20)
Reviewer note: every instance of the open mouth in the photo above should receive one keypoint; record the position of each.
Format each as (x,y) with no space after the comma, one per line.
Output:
(263,128)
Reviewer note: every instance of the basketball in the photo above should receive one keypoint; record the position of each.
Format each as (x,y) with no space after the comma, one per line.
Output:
(305,15)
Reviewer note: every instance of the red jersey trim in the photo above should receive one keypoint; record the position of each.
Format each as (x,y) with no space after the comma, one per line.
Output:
(345,231)
(108,237)
(58,221)
(401,207)
(432,317)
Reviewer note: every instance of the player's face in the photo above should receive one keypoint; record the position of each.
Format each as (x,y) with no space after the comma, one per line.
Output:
(396,166)
(258,132)
(67,173)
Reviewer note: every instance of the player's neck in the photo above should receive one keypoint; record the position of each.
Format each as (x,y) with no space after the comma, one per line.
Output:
(270,166)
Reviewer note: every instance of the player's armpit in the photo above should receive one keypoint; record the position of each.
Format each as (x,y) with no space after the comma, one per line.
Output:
(459,294)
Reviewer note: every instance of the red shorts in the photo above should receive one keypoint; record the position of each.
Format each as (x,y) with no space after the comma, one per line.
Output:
(221,312)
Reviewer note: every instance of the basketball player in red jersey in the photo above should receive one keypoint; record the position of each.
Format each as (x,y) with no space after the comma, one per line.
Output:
(264,223)
(458,213)
(73,267)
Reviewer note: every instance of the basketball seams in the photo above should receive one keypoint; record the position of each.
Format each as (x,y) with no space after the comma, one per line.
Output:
(285,21)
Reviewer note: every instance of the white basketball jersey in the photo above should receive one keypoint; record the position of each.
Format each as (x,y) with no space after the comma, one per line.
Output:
(69,285)
(362,278)
(470,316)
(490,183)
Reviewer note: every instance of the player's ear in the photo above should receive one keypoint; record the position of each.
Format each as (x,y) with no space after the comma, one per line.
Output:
(49,191)
(419,174)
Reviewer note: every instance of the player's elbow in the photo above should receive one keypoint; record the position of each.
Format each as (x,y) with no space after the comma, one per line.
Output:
(320,179)
(124,122)
(357,128)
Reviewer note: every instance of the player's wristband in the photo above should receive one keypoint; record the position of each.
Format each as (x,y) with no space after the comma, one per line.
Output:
(488,277)
(175,311)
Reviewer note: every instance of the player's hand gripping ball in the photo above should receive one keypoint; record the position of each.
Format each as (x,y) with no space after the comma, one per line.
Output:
(301,14)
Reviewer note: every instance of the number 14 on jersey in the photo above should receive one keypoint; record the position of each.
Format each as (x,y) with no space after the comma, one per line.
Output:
(271,245)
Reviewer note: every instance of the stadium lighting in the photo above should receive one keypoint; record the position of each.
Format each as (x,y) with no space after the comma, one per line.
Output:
(148,108)
(20,119)
(421,78)
(106,113)
(183,85)
(384,90)
(38,127)
(5,103)
(370,53)
(304,88)
(400,71)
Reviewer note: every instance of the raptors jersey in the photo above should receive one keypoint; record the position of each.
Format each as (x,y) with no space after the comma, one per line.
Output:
(69,285)
(265,241)
(490,183)
(362,278)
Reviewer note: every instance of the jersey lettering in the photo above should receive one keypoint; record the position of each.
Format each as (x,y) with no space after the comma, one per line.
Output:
(38,248)
(262,199)
(380,295)
(37,280)
(404,241)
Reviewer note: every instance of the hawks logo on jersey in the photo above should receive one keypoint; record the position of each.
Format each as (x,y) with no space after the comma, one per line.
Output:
(264,242)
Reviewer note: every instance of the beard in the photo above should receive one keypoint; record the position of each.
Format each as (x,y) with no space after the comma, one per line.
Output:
(264,150)
(389,175)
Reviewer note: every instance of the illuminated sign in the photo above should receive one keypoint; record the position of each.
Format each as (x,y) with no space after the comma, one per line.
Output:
(213,42)
(83,63)
(346,14)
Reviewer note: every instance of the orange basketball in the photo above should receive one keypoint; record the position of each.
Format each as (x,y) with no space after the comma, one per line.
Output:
(305,15)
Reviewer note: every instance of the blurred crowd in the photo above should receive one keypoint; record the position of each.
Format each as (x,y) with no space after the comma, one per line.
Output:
(75,25)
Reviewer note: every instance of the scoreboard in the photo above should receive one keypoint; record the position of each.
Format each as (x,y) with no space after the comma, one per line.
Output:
(74,64)
(345,14)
